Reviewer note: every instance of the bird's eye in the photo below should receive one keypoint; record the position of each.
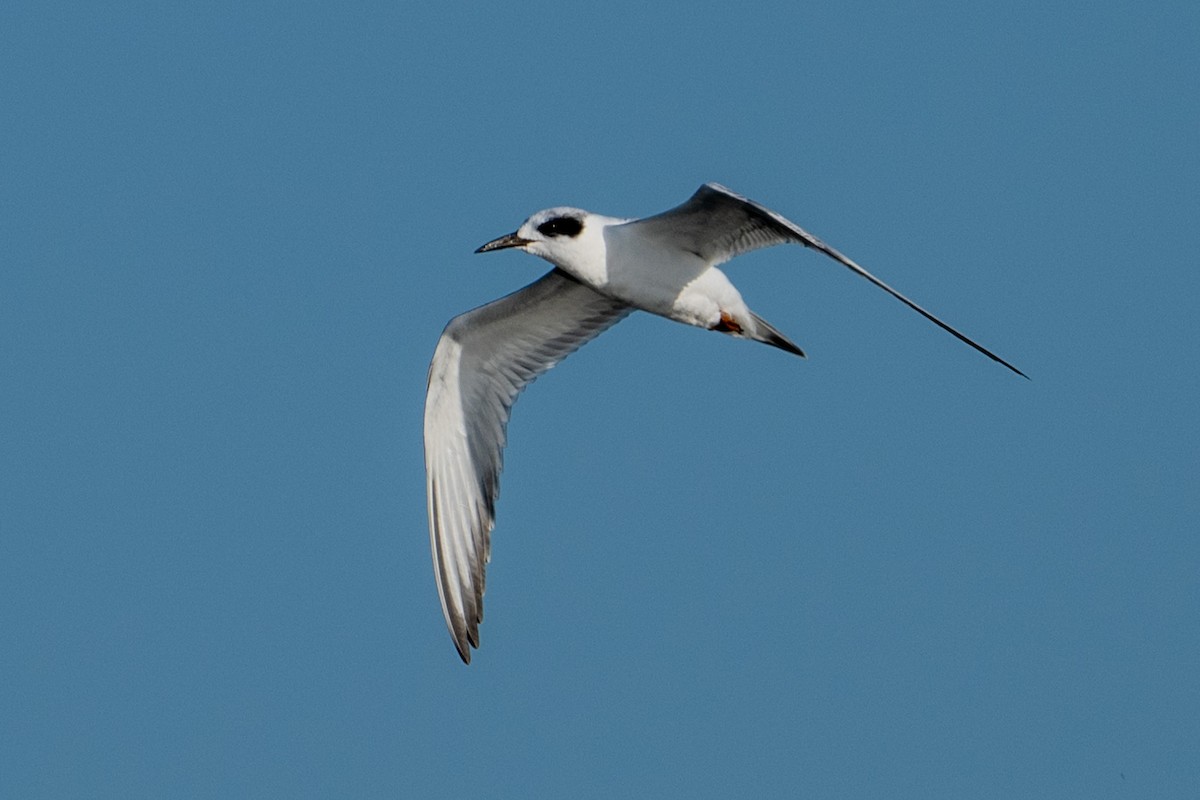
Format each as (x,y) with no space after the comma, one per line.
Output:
(561,226)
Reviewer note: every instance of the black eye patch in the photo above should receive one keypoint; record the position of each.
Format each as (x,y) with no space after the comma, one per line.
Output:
(561,226)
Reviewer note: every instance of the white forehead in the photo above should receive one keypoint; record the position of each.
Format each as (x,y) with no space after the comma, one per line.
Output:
(547,214)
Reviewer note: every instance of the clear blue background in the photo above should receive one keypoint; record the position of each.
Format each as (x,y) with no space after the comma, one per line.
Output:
(230,235)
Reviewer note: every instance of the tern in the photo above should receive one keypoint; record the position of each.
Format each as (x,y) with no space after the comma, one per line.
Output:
(604,268)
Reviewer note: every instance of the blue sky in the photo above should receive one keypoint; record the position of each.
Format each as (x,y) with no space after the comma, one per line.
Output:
(230,235)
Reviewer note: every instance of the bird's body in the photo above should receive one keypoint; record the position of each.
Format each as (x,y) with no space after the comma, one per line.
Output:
(605,267)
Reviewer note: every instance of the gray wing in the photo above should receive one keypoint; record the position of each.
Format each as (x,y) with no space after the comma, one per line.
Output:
(718,224)
(483,360)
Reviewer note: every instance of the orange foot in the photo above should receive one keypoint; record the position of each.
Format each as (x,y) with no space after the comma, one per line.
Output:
(727,324)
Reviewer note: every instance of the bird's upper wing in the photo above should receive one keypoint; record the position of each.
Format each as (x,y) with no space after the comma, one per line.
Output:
(718,224)
(483,360)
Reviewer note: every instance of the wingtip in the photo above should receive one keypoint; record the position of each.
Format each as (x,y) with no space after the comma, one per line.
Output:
(465,638)
(993,356)
(463,644)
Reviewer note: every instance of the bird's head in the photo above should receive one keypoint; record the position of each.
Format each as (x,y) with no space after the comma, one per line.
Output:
(570,238)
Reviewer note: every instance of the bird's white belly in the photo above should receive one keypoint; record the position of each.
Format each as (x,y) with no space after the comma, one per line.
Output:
(677,285)
(707,300)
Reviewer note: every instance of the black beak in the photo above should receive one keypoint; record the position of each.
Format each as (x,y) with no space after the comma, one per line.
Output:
(509,240)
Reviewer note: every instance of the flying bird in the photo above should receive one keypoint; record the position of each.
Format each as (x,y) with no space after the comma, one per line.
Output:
(604,268)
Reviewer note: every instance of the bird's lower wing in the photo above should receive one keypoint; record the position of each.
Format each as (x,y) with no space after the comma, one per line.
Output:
(719,224)
(483,360)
